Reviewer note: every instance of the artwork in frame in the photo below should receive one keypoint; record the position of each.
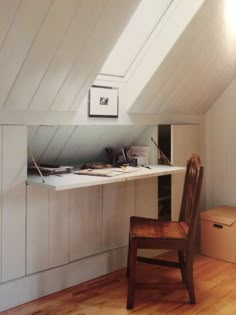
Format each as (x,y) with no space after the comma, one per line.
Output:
(103,101)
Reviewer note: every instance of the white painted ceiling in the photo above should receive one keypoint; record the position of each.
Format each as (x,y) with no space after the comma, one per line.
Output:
(199,67)
(51,51)
(135,37)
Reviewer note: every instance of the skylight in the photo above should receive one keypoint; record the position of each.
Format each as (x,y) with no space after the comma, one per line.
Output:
(134,37)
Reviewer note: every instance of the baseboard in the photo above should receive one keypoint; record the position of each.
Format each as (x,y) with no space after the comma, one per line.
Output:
(34,286)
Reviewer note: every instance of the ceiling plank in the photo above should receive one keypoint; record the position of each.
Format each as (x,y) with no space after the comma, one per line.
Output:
(197,69)
(68,53)
(17,44)
(94,54)
(7,16)
(41,53)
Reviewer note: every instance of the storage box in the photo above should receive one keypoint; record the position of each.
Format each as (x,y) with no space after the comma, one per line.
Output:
(218,233)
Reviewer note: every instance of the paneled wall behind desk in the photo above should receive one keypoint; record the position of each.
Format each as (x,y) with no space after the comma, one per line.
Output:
(83,144)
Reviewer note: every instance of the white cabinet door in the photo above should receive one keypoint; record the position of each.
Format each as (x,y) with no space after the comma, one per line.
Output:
(13,201)
(146,197)
(118,206)
(58,228)
(85,222)
(37,229)
(47,229)
(185,141)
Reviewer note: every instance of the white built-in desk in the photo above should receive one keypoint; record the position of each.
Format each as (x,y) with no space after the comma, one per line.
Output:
(70,180)
(78,225)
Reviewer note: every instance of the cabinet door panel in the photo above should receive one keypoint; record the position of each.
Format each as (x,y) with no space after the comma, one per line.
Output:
(47,228)
(146,197)
(118,206)
(37,229)
(58,228)
(85,222)
(185,141)
(14,162)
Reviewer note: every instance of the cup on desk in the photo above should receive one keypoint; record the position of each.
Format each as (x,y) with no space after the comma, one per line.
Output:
(141,160)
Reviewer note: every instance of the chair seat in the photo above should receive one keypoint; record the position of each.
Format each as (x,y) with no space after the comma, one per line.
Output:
(153,229)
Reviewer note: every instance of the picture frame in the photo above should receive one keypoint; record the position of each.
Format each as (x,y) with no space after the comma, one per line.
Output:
(103,101)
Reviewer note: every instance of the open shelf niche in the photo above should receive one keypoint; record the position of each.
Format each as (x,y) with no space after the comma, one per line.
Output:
(164,182)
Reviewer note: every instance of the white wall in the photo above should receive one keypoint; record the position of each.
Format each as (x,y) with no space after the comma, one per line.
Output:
(220,149)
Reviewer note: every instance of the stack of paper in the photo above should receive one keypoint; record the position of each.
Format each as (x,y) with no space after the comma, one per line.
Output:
(107,172)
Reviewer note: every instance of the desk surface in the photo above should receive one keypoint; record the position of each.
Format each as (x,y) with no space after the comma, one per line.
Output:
(70,181)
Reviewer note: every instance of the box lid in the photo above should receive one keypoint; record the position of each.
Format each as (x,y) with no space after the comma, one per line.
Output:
(223,215)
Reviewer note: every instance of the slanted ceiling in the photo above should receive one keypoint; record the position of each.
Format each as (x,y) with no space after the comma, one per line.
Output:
(52,50)
(198,68)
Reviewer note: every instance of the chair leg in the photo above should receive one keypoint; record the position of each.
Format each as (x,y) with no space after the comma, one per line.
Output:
(132,274)
(128,259)
(182,263)
(189,278)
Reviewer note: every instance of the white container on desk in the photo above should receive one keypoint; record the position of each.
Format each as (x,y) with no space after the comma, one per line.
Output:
(141,160)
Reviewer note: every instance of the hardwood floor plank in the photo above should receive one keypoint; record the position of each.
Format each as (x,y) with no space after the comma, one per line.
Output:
(215,285)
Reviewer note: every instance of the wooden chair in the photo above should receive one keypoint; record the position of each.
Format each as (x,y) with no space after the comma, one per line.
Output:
(170,235)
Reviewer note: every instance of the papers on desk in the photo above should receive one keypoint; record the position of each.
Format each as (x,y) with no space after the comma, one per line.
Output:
(126,169)
(107,172)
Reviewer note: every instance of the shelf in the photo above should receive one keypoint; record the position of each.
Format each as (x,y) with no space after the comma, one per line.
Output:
(71,181)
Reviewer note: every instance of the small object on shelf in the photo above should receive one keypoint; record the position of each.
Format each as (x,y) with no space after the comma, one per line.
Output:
(95,166)
(112,155)
(46,171)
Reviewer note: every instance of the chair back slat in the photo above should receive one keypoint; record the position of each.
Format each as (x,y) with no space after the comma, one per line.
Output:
(191,195)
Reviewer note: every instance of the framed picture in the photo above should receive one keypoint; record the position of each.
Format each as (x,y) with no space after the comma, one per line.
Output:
(103,101)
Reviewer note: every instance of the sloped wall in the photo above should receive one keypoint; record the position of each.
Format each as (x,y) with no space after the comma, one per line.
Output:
(220,150)
(52,51)
(197,69)
(83,144)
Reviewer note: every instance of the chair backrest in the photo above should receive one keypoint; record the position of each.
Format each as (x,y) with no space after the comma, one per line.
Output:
(191,195)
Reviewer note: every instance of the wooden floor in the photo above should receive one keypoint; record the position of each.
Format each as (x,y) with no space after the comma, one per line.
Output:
(215,284)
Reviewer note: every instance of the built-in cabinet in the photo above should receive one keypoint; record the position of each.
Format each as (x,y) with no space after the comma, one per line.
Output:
(43,229)
(56,234)
(85,222)
(65,226)
(146,197)
(118,206)
(47,229)
(178,142)
(13,170)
